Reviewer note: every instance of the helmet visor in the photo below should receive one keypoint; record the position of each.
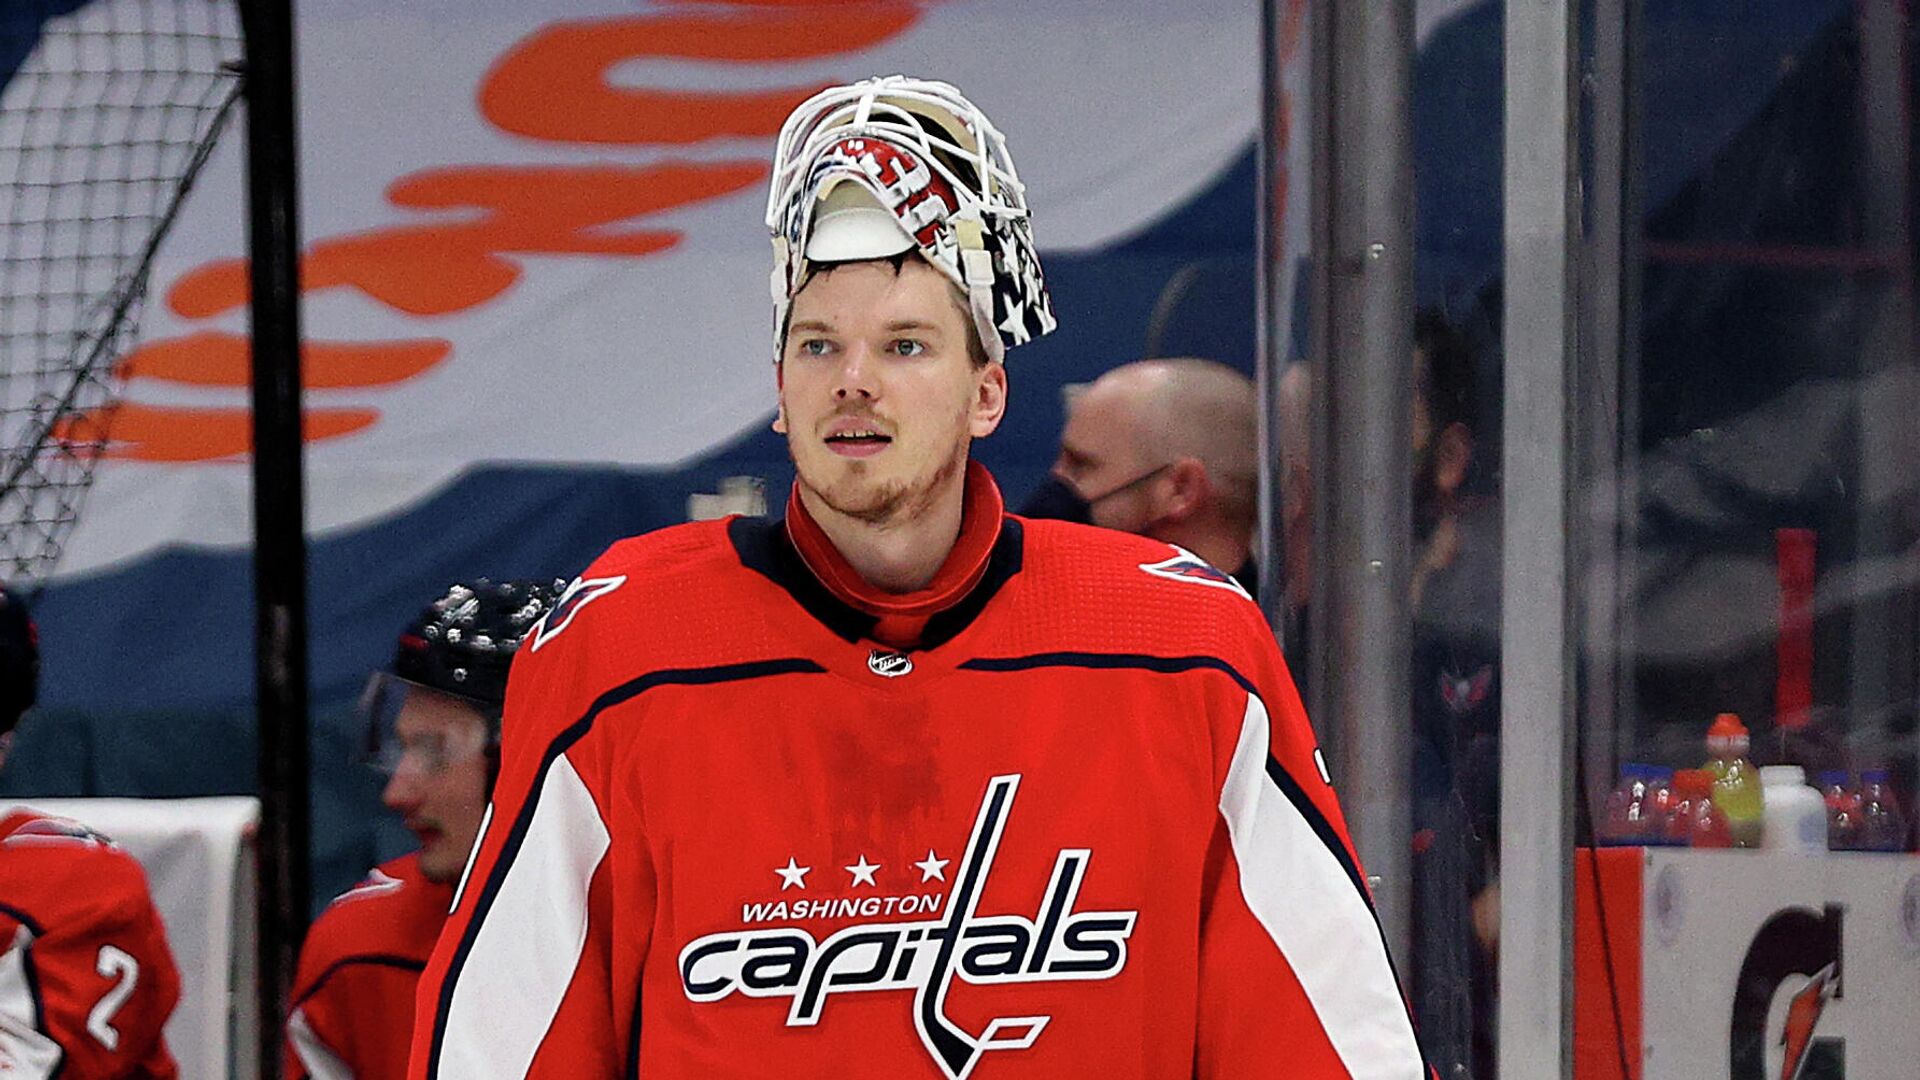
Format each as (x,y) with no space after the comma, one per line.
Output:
(405,725)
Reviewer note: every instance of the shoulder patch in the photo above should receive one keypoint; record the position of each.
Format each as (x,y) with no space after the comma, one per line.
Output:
(57,830)
(582,592)
(377,883)
(1465,693)
(1191,568)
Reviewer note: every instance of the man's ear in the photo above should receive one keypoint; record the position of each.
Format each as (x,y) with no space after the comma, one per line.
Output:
(780,389)
(989,401)
(1452,455)
(1188,486)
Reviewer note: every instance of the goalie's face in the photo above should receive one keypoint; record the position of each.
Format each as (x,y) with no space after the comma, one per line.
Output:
(880,390)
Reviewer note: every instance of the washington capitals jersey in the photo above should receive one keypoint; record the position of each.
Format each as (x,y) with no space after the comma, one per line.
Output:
(86,978)
(1078,827)
(352,1015)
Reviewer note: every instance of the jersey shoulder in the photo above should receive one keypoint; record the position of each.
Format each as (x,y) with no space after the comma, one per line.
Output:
(643,582)
(394,914)
(66,877)
(679,597)
(32,828)
(1091,589)
(693,549)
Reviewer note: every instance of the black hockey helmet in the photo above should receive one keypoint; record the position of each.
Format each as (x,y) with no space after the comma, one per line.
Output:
(461,646)
(462,643)
(19,660)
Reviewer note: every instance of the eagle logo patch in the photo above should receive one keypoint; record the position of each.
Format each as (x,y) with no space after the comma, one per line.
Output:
(582,592)
(1188,567)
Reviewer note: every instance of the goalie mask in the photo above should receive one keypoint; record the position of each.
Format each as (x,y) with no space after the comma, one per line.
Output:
(896,164)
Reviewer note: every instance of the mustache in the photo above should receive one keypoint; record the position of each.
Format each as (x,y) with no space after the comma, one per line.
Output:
(856,412)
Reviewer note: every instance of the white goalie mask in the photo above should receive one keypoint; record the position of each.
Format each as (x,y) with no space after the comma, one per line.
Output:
(894,164)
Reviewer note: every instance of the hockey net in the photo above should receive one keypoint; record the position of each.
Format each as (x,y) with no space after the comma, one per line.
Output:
(108,109)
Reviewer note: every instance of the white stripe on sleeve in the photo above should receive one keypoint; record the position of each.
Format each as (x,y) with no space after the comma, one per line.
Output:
(315,1056)
(473,855)
(24,1051)
(525,953)
(1302,895)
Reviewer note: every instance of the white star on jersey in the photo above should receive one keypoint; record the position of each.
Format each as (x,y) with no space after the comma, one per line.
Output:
(931,868)
(862,871)
(792,874)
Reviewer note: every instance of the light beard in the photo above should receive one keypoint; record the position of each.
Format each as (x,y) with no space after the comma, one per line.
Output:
(878,505)
(437,861)
(442,874)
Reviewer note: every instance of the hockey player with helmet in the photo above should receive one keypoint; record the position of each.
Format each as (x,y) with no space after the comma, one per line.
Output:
(901,785)
(433,723)
(86,978)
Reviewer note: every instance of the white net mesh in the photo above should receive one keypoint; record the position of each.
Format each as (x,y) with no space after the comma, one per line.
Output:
(107,110)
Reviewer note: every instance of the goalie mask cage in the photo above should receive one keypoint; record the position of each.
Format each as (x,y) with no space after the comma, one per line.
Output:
(108,109)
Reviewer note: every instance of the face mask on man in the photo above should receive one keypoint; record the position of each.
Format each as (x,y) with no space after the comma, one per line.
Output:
(1426,495)
(1061,501)
(1058,500)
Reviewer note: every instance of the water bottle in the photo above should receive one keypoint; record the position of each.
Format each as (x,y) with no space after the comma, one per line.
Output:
(1736,786)
(1882,826)
(1843,810)
(1697,821)
(1796,815)
(1637,808)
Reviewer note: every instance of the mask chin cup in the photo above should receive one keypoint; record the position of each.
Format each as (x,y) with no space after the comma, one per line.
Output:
(851,225)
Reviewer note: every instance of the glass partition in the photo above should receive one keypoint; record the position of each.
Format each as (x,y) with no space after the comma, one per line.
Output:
(1385,423)
(1454,671)
(1748,476)
(1736,446)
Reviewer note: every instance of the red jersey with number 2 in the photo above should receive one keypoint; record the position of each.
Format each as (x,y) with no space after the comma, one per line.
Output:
(86,978)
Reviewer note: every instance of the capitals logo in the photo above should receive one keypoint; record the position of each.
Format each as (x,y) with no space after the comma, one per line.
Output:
(1465,693)
(1057,944)
(582,592)
(54,830)
(1188,567)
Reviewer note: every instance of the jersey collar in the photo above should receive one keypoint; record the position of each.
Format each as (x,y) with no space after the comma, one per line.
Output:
(797,555)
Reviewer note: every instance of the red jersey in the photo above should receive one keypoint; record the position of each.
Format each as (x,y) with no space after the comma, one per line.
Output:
(352,1015)
(1058,814)
(86,978)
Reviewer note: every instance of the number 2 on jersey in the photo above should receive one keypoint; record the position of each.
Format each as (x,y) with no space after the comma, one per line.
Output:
(116,964)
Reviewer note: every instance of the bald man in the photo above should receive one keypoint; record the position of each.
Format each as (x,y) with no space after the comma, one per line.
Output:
(1166,449)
